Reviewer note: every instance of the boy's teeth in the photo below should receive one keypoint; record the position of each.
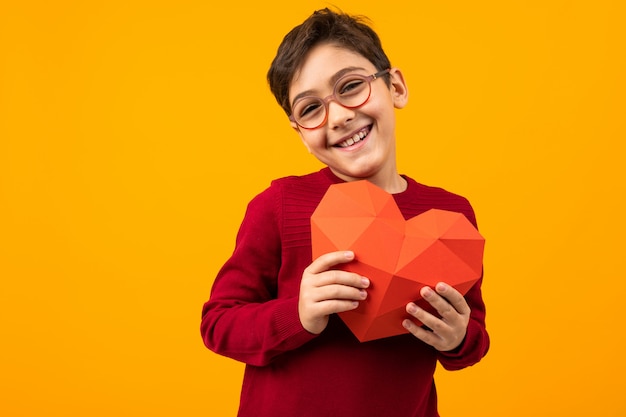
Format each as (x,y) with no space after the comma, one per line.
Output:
(354,139)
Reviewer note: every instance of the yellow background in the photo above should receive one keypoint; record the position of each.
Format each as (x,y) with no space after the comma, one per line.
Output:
(133,133)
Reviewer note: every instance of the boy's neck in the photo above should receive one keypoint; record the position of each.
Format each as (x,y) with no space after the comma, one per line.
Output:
(393,184)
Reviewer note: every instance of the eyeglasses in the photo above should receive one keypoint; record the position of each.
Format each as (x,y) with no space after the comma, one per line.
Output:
(351,91)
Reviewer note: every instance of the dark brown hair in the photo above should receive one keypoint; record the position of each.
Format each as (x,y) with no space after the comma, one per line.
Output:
(323,26)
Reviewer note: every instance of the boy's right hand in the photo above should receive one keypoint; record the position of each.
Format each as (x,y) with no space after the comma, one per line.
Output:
(324,291)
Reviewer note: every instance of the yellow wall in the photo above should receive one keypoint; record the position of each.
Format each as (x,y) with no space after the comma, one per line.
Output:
(133,133)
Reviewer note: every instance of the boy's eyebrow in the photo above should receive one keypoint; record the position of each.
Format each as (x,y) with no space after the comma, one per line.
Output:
(331,81)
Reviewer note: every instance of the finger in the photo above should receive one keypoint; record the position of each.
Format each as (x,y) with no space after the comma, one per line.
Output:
(328,307)
(322,270)
(446,308)
(328,260)
(339,292)
(454,297)
(435,324)
(339,277)
(424,335)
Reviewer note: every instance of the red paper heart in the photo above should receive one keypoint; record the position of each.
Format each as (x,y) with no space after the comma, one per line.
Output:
(398,256)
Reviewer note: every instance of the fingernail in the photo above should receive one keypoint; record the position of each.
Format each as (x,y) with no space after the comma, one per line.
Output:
(412,308)
(365,282)
(427,292)
(349,254)
(441,287)
(363,294)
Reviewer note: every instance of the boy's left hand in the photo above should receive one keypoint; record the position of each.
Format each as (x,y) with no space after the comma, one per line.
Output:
(446,332)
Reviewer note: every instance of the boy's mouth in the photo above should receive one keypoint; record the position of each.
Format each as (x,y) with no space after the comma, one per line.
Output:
(355,138)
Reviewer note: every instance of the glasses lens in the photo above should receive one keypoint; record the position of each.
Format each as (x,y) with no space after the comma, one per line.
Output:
(352,91)
(309,112)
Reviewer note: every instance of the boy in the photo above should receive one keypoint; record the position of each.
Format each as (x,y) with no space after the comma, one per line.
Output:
(273,307)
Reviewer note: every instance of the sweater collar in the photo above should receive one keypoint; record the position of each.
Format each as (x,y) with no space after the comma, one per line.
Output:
(326,171)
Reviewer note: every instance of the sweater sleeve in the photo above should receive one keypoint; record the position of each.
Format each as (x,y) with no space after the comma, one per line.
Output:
(476,343)
(243,318)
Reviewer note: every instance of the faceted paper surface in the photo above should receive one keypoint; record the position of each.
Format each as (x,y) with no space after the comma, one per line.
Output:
(398,256)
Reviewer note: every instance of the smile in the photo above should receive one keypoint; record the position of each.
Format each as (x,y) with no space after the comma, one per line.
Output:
(357,137)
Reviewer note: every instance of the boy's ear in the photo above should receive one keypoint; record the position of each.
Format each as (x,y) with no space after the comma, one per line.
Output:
(399,90)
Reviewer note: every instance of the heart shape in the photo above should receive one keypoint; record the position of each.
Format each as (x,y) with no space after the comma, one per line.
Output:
(398,256)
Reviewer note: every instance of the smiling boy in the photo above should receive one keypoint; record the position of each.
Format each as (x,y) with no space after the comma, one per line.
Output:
(274,308)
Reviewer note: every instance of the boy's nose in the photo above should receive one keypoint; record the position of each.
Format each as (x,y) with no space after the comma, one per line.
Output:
(338,115)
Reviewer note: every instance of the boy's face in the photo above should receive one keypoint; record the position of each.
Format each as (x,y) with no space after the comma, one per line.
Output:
(355,143)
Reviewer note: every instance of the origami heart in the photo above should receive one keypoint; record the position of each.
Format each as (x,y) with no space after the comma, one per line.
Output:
(398,256)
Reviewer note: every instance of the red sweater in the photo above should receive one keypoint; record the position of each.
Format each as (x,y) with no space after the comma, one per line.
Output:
(252,316)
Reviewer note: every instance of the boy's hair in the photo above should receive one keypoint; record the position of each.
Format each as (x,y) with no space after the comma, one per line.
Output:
(323,26)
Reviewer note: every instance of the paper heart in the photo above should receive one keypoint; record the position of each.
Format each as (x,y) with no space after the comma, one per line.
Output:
(398,256)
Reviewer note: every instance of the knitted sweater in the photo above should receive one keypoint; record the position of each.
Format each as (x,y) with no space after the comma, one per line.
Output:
(252,316)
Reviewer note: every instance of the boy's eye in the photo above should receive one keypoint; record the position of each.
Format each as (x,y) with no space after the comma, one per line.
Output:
(308,109)
(351,86)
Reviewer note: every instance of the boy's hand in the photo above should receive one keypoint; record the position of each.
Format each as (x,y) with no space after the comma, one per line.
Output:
(446,332)
(324,291)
